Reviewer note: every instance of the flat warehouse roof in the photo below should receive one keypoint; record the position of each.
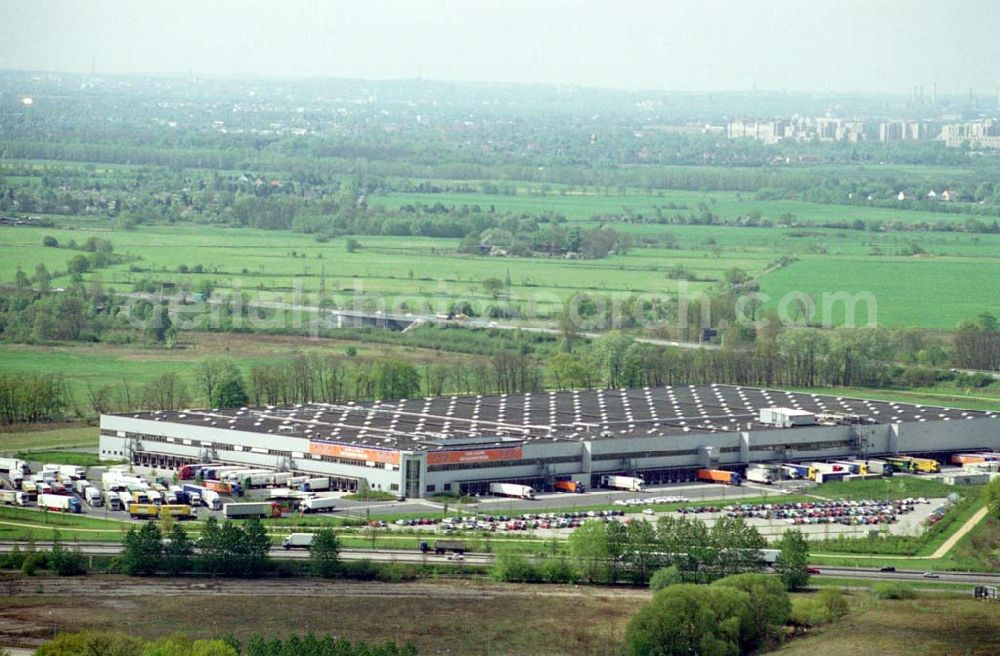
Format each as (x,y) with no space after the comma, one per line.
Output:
(491,421)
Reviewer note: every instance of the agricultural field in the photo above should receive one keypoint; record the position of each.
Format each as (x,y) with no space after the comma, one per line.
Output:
(87,366)
(582,204)
(952,274)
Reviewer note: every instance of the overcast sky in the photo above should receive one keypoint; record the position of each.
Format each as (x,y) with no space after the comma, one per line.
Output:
(840,45)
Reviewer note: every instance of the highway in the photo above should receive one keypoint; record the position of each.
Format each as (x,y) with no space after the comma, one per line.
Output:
(415,557)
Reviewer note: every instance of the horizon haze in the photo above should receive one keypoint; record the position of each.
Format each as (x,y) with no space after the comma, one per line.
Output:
(714,45)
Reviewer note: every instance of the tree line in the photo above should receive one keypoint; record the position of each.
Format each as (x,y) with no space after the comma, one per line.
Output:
(119,644)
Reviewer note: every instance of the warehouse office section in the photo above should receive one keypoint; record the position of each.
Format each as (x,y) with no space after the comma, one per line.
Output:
(421,447)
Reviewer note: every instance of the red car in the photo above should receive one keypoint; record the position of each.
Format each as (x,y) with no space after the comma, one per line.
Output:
(812,570)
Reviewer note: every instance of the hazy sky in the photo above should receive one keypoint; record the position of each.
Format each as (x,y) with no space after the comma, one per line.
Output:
(841,45)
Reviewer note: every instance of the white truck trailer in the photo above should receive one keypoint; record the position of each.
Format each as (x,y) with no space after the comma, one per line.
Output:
(13,498)
(630,483)
(318,504)
(13,465)
(59,502)
(761,475)
(248,509)
(512,490)
(298,541)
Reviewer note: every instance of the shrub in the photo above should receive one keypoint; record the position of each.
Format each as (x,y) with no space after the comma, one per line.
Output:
(665,576)
(396,573)
(33,562)
(50,241)
(559,570)
(514,568)
(894,591)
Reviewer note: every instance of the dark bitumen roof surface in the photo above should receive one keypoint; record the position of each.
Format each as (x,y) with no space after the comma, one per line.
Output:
(473,422)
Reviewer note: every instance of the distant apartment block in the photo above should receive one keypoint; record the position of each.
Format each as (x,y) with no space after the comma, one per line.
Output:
(827,129)
(768,131)
(984,133)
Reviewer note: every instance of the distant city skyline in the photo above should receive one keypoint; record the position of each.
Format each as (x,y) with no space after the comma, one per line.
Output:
(843,46)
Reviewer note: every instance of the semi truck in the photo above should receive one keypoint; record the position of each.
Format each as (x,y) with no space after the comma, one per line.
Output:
(112,500)
(93,497)
(442,547)
(927,465)
(13,498)
(178,511)
(143,510)
(315,485)
(298,541)
(630,483)
(72,471)
(852,468)
(719,476)
(318,504)
(14,465)
(249,509)
(880,467)
(760,475)
(795,470)
(512,490)
(223,487)
(59,503)
(570,486)
(190,472)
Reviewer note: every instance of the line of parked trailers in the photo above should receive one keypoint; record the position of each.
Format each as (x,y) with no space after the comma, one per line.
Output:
(241,477)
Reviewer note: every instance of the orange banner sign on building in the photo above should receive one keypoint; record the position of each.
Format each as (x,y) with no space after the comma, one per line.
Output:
(472,456)
(348,452)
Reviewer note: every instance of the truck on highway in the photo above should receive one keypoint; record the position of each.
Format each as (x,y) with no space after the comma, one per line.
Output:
(761,475)
(178,511)
(630,483)
(143,510)
(719,476)
(13,498)
(249,509)
(12,465)
(318,504)
(570,486)
(298,541)
(512,490)
(316,485)
(442,547)
(59,503)
(93,496)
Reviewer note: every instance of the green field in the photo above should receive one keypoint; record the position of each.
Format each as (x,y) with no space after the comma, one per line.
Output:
(423,274)
(935,292)
(51,438)
(580,205)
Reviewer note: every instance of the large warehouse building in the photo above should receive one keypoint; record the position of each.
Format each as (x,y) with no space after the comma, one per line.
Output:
(421,447)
